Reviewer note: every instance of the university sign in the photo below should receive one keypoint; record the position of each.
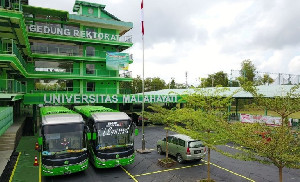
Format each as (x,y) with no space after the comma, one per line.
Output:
(97,98)
(72,32)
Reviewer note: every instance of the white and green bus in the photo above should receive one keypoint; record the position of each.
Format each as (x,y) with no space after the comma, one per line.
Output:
(112,142)
(63,141)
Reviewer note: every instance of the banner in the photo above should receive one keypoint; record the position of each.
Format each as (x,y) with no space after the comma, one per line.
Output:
(117,61)
(269,120)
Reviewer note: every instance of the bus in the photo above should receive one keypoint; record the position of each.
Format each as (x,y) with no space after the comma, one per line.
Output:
(112,142)
(63,141)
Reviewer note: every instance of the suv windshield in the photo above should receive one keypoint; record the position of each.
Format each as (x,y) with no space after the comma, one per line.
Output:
(195,144)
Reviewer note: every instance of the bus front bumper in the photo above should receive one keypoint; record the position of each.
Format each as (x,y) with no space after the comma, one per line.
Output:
(110,163)
(63,170)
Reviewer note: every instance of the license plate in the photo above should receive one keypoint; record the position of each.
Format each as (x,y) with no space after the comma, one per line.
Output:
(197,151)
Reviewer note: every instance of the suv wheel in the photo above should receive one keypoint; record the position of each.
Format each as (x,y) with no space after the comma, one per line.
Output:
(179,158)
(159,150)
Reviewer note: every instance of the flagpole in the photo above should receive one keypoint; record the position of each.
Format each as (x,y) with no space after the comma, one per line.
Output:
(143,103)
(143,150)
(143,81)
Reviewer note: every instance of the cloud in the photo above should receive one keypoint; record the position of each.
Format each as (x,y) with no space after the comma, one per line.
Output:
(278,26)
(203,37)
(294,65)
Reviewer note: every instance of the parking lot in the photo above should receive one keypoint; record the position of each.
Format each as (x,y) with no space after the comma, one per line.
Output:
(145,167)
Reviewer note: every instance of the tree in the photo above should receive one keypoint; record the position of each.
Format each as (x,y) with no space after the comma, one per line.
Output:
(220,78)
(137,85)
(277,145)
(204,117)
(172,84)
(180,86)
(247,72)
(266,79)
(163,116)
(156,84)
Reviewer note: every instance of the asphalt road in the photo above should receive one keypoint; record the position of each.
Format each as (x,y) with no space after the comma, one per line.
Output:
(145,168)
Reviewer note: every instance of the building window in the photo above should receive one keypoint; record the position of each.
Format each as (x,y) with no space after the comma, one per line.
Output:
(90,51)
(51,48)
(90,86)
(52,66)
(51,85)
(90,68)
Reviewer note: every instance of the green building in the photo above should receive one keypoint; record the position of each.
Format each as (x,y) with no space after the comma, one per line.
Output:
(49,56)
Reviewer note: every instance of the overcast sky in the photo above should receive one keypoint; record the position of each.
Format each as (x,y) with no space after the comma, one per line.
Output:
(203,37)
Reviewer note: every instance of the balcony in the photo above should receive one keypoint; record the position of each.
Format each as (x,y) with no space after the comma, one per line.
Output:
(9,47)
(65,51)
(11,86)
(76,90)
(76,72)
(56,50)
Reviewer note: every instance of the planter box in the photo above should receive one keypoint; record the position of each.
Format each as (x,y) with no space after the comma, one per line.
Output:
(165,163)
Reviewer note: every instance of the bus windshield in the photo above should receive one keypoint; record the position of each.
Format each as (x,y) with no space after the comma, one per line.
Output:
(114,134)
(63,137)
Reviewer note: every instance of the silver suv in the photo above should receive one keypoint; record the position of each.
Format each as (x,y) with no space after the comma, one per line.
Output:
(183,147)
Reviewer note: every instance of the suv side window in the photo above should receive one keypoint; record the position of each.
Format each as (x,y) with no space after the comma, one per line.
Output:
(170,139)
(181,142)
(175,141)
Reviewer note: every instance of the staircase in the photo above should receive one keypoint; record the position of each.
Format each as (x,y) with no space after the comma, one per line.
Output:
(10,139)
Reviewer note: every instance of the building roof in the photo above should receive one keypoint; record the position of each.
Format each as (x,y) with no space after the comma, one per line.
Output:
(105,23)
(77,4)
(110,116)
(267,91)
(61,119)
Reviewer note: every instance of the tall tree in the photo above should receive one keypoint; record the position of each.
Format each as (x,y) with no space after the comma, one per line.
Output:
(204,118)
(137,85)
(277,145)
(172,84)
(163,116)
(220,78)
(266,79)
(157,84)
(247,72)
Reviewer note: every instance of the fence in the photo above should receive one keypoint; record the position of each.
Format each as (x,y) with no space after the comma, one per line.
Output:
(276,78)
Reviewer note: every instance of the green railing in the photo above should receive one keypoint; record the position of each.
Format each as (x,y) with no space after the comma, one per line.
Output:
(17,53)
(17,6)
(76,90)
(85,72)
(64,51)
(11,86)
(9,47)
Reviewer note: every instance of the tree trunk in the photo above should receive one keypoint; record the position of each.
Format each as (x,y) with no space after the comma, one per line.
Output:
(208,164)
(280,174)
(167,148)
(208,157)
